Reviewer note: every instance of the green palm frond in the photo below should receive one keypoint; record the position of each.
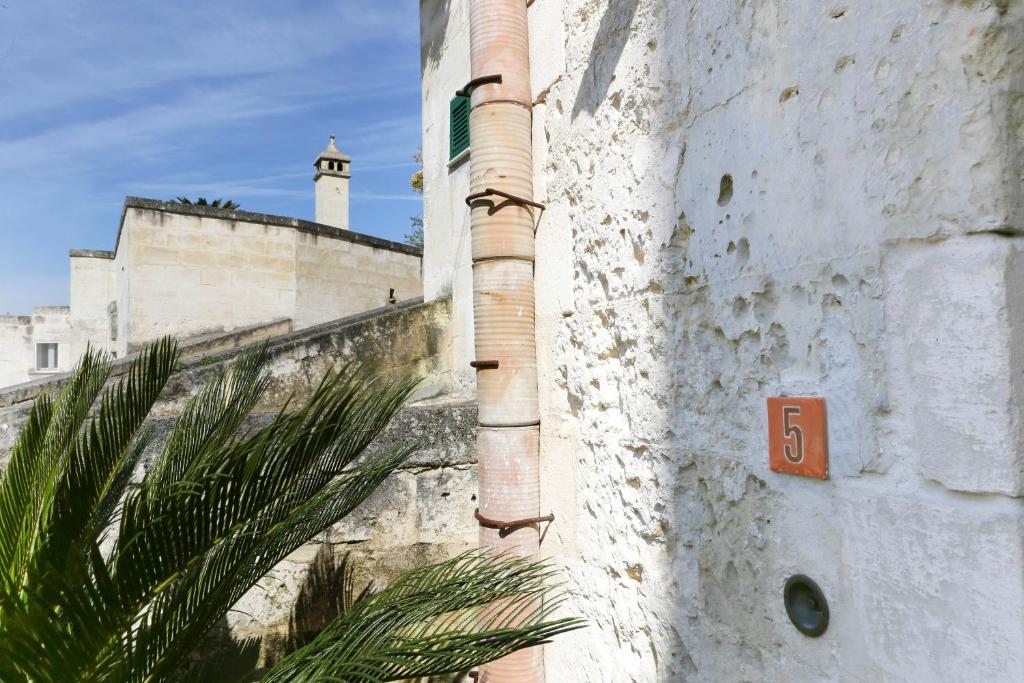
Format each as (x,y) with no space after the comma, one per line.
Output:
(106,576)
(442,618)
(203,201)
(63,471)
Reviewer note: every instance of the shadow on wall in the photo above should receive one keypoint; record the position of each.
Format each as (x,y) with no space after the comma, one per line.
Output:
(1014,105)
(434,13)
(612,35)
(327,592)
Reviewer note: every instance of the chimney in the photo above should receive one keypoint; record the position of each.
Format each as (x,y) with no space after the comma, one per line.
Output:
(331,181)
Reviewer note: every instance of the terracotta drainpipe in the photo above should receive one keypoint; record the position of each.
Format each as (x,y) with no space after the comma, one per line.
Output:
(502,226)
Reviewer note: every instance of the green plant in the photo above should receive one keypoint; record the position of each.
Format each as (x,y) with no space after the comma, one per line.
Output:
(415,235)
(216,203)
(103,578)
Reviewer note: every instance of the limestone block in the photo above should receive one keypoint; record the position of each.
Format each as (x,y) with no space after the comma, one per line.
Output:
(557,465)
(444,433)
(387,518)
(275,263)
(153,255)
(214,277)
(936,589)
(445,501)
(955,316)
(142,233)
(11,422)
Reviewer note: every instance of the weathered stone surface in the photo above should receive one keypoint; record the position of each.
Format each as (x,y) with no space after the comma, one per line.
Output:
(197,350)
(444,431)
(955,362)
(746,200)
(932,590)
(408,338)
(445,501)
(405,339)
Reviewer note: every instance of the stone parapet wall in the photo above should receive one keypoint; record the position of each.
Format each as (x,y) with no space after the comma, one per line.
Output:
(197,350)
(422,513)
(192,270)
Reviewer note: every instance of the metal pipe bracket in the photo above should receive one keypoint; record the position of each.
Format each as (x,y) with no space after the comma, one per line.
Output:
(468,89)
(507,195)
(505,528)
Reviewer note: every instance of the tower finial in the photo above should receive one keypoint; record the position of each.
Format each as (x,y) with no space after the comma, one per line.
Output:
(331,179)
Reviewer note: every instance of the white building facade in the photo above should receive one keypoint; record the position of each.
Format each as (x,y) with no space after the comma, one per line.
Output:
(747,200)
(188,270)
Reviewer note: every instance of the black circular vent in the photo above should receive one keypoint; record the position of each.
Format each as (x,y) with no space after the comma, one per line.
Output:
(806,605)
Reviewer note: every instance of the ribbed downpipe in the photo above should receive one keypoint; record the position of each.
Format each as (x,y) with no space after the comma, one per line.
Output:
(508,438)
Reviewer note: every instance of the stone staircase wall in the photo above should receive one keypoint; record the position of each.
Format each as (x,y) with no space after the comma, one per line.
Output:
(422,513)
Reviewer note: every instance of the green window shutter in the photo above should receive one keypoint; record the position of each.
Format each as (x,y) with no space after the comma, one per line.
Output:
(458,132)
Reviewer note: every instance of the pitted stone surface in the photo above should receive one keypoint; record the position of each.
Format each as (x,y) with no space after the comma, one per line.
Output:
(754,199)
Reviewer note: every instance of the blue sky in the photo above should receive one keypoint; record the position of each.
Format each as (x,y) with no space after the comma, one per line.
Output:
(231,98)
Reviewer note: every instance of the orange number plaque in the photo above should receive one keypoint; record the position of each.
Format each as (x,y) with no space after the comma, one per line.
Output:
(798,436)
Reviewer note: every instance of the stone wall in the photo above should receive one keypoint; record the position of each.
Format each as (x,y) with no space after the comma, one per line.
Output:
(15,354)
(190,270)
(422,513)
(202,349)
(193,274)
(447,262)
(19,336)
(194,270)
(335,277)
(93,299)
(754,199)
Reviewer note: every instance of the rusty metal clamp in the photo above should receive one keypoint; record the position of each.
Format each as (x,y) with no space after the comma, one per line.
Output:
(501,193)
(506,528)
(468,89)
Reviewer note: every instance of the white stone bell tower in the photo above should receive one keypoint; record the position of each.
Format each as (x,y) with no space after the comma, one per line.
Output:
(331,181)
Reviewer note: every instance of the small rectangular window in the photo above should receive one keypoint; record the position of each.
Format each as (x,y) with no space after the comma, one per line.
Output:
(459,126)
(46,357)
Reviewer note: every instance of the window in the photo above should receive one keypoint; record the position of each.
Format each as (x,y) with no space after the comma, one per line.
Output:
(46,357)
(459,126)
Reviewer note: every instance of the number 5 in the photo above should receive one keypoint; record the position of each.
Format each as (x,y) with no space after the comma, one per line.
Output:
(794,453)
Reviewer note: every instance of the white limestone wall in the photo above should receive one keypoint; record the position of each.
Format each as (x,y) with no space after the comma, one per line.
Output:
(122,289)
(187,275)
(93,290)
(332,200)
(195,274)
(447,258)
(19,336)
(864,247)
(15,349)
(335,278)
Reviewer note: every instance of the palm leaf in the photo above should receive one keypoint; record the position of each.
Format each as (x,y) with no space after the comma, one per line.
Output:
(53,601)
(442,618)
(101,579)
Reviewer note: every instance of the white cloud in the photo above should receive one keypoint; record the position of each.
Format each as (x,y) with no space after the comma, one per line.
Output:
(142,132)
(58,52)
(154,98)
(370,196)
